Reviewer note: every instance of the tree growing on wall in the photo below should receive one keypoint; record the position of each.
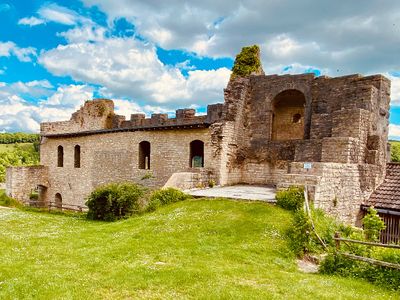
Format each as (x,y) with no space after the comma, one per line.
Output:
(247,62)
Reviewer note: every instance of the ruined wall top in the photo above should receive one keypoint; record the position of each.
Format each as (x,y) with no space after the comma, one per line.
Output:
(98,115)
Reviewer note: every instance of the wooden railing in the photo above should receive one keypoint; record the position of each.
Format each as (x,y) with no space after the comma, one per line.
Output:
(372,261)
(57,206)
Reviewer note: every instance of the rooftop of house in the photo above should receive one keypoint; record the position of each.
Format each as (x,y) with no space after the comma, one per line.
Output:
(387,195)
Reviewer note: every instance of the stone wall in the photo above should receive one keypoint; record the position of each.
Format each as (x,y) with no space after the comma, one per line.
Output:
(114,156)
(98,115)
(345,120)
(21,181)
(336,188)
(345,123)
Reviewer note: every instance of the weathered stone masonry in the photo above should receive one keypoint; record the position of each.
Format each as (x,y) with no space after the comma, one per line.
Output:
(266,131)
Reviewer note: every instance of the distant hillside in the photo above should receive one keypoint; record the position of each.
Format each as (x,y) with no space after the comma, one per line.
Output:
(18,149)
(18,137)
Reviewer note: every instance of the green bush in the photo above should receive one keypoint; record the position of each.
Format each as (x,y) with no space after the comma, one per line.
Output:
(303,239)
(291,198)
(165,196)
(7,201)
(247,61)
(373,225)
(114,201)
(300,234)
(335,263)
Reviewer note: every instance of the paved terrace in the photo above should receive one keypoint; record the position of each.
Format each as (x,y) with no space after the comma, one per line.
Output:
(247,192)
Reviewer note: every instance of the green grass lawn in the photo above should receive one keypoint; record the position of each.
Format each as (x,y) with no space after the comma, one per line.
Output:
(207,249)
(11,147)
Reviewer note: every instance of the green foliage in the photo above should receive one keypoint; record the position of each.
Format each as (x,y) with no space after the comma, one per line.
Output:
(7,201)
(373,225)
(335,263)
(203,249)
(114,201)
(18,137)
(303,239)
(291,198)
(34,196)
(395,151)
(148,175)
(20,156)
(300,234)
(165,196)
(247,61)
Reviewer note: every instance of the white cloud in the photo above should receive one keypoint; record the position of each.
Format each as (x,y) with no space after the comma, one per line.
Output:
(126,108)
(394,131)
(31,21)
(52,12)
(19,114)
(85,33)
(70,95)
(23,54)
(36,88)
(59,14)
(341,37)
(395,89)
(6,48)
(129,68)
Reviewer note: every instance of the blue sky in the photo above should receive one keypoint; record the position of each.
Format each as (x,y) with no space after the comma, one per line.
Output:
(156,56)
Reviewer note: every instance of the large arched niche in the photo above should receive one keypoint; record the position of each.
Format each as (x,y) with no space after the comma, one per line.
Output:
(288,111)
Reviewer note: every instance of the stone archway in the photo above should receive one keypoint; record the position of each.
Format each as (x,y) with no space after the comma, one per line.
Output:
(196,154)
(58,201)
(288,116)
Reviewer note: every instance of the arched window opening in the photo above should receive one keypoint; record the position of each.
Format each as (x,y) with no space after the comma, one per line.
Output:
(296,118)
(144,155)
(196,154)
(288,116)
(60,156)
(77,156)
(58,201)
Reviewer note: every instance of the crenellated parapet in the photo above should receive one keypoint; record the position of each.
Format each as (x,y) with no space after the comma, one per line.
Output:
(98,114)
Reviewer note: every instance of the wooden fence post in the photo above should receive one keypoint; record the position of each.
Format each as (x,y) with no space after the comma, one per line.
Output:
(337,241)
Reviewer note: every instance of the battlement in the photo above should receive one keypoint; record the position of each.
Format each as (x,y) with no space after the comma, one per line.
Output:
(99,115)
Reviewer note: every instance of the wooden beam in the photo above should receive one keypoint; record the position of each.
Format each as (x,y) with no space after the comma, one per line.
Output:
(372,261)
(367,243)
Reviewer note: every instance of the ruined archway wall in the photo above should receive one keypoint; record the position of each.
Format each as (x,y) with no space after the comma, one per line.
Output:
(261,160)
(112,157)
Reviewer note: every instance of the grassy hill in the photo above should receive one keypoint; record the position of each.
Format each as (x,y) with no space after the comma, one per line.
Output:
(210,249)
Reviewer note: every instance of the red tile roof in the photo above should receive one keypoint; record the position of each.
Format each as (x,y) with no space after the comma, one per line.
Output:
(387,195)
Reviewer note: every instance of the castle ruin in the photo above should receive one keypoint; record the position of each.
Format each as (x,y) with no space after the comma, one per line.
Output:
(327,133)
